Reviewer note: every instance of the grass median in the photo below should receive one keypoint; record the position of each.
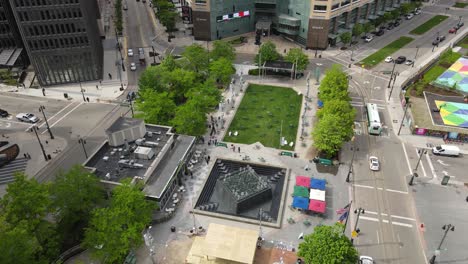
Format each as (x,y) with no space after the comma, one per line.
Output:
(428,25)
(265,114)
(386,51)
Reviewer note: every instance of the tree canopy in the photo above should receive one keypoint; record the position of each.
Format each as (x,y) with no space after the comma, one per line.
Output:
(190,119)
(345,37)
(295,55)
(156,108)
(222,49)
(328,244)
(221,70)
(358,29)
(334,85)
(267,52)
(198,58)
(116,229)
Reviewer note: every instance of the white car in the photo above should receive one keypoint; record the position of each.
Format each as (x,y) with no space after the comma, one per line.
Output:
(368,39)
(374,164)
(132,66)
(388,59)
(409,62)
(130,52)
(366,260)
(27,117)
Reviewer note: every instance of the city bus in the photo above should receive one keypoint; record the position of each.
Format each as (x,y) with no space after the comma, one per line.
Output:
(373,118)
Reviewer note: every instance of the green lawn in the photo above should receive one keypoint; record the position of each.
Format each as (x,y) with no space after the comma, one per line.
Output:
(460,5)
(433,73)
(464,43)
(386,51)
(261,113)
(428,25)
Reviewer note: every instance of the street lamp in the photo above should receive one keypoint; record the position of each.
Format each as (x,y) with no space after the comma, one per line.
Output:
(82,91)
(353,148)
(437,252)
(393,85)
(35,129)
(41,109)
(82,142)
(404,116)
(391,75)
(415,56)
(356,230)
(420,152)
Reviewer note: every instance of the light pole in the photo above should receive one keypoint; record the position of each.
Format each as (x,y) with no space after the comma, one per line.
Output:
(393,85)
(415,56)
(421,152)
(353,148)
(391,75)
(404,116)
(41,109)
(347,217)
(358,211)
(437,252)
(83,143)
(35,129)
(82,91)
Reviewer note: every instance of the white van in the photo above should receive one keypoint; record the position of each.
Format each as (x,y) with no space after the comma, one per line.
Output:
(446,150)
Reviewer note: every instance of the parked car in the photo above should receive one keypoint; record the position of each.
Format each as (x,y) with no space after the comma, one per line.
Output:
(130,52)
(396,23)
(409,16)
(368,39)
(441,38)
(374,164)
(4,113)
(409,62)
(389,59)
(390,26)
(125,6)
(459,25)
(27,117)
(435,42)
(365,260)
(446,150)
(132,66)
(400,60)
(417,12)
(141,51)
(380,32)
(453,30)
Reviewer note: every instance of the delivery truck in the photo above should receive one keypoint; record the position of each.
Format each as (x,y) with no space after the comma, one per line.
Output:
(446,150)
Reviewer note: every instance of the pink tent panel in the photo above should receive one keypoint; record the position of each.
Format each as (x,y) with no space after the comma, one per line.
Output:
(317,206)
(303,181)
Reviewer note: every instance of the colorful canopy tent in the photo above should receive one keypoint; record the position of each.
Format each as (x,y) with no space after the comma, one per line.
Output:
(300,191)
(300,202)
(302,181)
(317,206)
(317,195)
(456,76)
(318,184)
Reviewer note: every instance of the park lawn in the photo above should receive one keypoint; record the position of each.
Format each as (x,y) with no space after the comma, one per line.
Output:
(464,43)
(386,51)
(460,5)
(261,113)
(433,73)
(428,25)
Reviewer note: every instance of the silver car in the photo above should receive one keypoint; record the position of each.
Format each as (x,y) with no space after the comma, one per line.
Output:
(374,164)
(27,117)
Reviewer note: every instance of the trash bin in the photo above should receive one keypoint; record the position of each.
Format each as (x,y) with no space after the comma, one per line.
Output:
(173,229)
(65,95)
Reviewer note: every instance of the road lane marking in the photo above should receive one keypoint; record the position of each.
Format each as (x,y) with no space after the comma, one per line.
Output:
(380,188)
(364,186)
(422,165)
(396,191)
(56,114)
(431,166)
(402,224)
(24,99)
(378,240)
(369,218)
(65,115)
(402,217)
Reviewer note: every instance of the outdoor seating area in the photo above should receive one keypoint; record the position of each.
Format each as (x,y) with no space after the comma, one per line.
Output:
(309,194)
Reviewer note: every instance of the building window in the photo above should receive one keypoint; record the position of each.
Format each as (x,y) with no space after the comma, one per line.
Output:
(335,6)
(345,3)
(320,8)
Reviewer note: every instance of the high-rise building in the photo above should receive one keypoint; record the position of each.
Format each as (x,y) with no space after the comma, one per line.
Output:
(312,23)
(12,52)
(61,37)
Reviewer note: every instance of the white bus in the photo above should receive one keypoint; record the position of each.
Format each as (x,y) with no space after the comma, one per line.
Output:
(373,118)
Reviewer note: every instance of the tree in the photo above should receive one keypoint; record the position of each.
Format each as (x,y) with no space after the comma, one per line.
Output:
(151,78)
(368,27)
(327,244)
(405,8)
(395,14)
(334,85)
(345,38)
(340,108)
(329,135)
(387,17)
(358,29)
(295,55)
(222,49)
(267,52)
(168,18)
(178,82)
(74,195)
(156,108)
(189,119)
(378,21)
(221,70)
(205,96)
(198,58)
(16,243)
(116,229)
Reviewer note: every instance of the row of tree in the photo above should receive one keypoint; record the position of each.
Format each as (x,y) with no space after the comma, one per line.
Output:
(166,13)
(181,92)
(268,52)
(38,221)
(336,118)
(359,29)
(118,20)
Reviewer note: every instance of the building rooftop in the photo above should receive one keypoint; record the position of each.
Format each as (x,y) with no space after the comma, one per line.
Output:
(123,123)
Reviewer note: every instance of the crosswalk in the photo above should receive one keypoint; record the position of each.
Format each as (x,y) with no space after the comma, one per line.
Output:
(8,171)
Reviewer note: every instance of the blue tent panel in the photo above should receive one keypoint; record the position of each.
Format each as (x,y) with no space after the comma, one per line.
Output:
(318,184)
(301,202)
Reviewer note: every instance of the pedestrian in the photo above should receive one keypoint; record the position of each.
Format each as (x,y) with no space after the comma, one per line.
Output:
(284,51)
(216,141)
(47,142)
(233,148)
(110,76)
(24,154)
(87,99)
(29,156)
(43,91)
(97,87)
(209,158)
(238,149)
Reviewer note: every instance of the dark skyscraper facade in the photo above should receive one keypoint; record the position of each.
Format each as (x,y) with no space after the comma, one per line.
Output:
(61,37)
(12,52)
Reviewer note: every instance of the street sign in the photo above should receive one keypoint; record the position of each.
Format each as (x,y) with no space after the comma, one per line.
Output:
(354,234)
(325,161)
(445,180)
